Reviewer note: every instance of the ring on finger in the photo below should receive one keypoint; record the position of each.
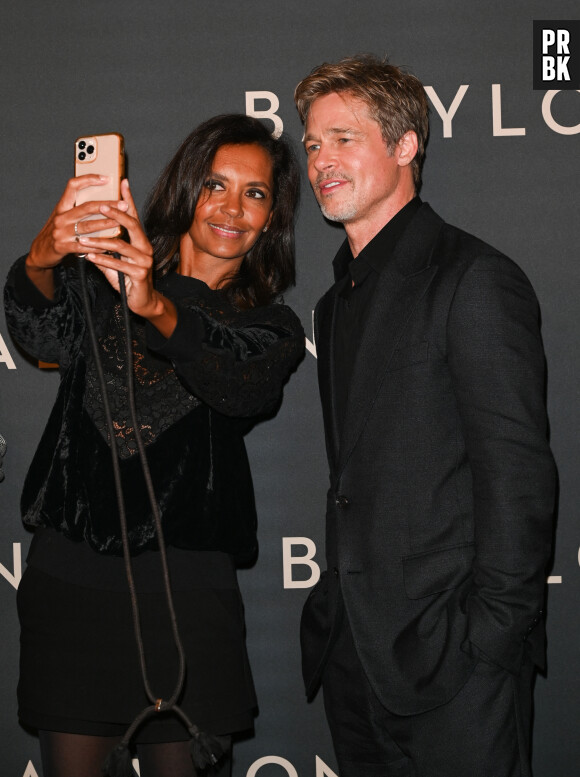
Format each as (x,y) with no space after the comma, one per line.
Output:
(77,233)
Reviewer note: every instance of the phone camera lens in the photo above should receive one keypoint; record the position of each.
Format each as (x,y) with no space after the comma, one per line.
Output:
(90,149)
(82,155)
(82,144)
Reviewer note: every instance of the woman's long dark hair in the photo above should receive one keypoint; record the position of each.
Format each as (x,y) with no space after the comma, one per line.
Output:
(268,269)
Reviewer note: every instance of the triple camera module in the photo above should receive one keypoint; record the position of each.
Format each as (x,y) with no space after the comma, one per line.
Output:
(86,149)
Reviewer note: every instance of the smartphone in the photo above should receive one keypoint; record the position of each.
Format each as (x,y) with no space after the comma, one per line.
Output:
(100,155)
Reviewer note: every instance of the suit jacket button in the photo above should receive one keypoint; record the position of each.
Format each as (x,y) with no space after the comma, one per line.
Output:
(335,571)
(342,501)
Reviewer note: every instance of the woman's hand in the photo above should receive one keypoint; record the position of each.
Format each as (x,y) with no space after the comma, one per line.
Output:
(135,262)
(60,235)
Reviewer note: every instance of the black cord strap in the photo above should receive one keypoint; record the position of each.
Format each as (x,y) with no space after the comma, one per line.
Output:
(205,750)
(154,506)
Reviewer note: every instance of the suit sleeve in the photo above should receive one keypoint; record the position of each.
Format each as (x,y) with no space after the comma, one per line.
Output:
(497,366)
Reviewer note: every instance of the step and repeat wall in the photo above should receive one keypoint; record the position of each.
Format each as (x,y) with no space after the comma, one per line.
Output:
(503,162)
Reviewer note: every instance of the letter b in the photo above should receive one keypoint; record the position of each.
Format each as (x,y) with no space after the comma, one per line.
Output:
(548,68)
(252,97)
(306,560)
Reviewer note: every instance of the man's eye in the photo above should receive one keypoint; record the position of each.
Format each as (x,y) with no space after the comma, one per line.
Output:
(312,147)
(213,185)
(344,140)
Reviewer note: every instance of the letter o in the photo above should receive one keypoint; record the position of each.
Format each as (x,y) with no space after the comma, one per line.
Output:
(549,119)
(271,759)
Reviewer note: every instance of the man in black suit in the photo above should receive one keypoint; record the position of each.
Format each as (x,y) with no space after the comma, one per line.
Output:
(428,625)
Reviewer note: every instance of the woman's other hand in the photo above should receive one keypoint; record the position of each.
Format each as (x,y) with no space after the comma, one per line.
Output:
(135,262)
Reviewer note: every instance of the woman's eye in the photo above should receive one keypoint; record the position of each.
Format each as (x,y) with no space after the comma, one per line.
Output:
(213,185)
(256,194)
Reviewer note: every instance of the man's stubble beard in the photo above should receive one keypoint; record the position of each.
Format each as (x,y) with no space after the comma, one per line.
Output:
(342,214)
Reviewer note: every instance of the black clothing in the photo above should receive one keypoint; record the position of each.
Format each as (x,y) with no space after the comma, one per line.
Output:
(75,562)
(484,731)
(358,282)
(79,670)
(197,393)
(439,515)
(78,658)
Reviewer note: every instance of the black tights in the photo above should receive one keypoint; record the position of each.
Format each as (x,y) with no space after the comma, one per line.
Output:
(81,755)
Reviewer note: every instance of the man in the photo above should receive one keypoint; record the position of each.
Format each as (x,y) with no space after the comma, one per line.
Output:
(426,629)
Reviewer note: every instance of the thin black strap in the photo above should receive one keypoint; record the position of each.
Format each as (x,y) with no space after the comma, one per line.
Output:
(206,750)
(116,469)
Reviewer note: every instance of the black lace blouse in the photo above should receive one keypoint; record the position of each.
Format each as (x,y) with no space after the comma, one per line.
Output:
(197,393)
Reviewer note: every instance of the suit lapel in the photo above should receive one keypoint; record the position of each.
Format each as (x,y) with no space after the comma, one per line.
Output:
(399,288)
(324,317)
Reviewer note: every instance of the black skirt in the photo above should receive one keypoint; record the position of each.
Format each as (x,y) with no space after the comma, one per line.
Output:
(79,667)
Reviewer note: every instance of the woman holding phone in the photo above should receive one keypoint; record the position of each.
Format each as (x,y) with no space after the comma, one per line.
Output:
(211,349)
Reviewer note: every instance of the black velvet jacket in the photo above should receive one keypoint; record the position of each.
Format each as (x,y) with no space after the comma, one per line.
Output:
(197,394)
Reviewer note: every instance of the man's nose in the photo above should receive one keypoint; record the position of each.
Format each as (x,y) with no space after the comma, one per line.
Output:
(325,159)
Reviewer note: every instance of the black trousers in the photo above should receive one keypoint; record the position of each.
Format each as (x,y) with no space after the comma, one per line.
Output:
(484,731)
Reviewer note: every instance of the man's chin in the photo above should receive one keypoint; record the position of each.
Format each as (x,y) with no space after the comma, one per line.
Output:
(341,215)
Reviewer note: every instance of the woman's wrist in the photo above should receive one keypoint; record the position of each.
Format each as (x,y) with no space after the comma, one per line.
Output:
(41,276)
(162,314)
(36,262)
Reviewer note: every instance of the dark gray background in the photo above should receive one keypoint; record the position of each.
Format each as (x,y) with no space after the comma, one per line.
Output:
(152,71)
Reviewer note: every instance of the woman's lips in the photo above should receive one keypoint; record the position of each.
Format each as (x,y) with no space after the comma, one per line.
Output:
(225,230)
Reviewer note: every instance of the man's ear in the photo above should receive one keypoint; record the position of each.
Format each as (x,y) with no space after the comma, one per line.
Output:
(407,148)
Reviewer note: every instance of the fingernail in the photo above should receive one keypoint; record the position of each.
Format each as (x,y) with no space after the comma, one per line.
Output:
(123,206)
(104,178)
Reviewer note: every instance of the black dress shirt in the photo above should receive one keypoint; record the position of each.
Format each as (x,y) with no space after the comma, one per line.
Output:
(359,278)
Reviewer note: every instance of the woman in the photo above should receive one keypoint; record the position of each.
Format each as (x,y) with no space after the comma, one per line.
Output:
(211,350)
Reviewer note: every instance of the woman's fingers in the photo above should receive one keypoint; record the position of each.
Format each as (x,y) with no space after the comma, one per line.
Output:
(70,225)
(83,228)
(67,231)
(128,251)
(134,270)
(128,198)
(137,236)
(59,235)
(135,277)
(92,208)
(68,199)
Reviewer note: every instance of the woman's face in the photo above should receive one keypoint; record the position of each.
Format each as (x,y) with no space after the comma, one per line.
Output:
(233,209)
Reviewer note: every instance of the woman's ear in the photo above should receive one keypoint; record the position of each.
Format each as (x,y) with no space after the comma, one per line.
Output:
(270,217)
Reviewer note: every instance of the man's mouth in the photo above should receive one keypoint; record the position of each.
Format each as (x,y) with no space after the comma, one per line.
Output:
(330,185)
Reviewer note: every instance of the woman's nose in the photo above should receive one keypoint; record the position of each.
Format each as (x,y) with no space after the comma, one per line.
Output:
(232,204)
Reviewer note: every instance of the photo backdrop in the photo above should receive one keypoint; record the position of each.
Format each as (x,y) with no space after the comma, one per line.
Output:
(503,162)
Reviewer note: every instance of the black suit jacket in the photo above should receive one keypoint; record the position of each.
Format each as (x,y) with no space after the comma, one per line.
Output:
(439,517)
